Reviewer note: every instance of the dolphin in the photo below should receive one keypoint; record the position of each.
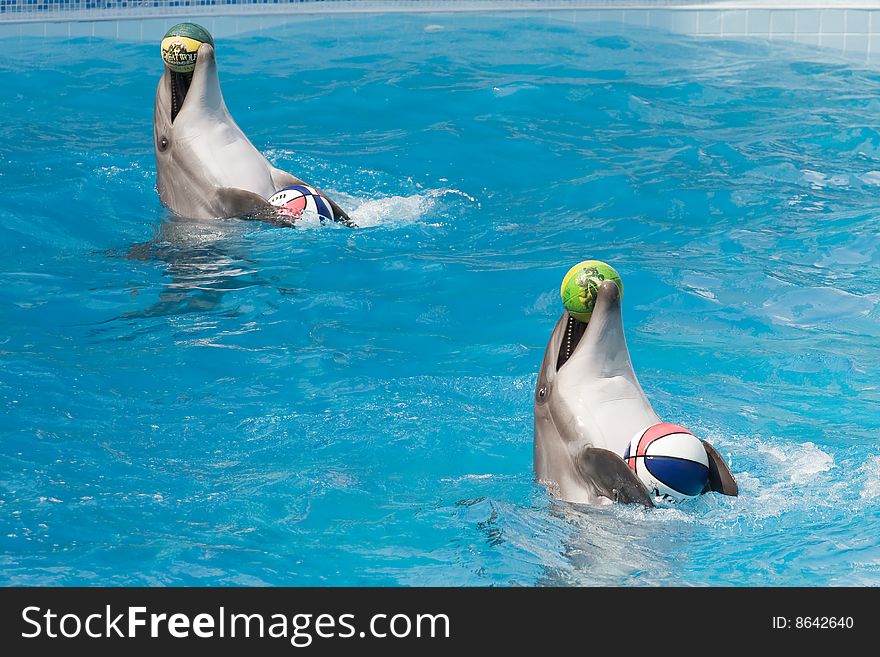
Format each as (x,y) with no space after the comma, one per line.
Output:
(206,167)
(588,406)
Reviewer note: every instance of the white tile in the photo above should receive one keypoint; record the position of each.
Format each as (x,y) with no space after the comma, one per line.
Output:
(33,29)
(807,21)
(129,30)
(105,29)
(833,21)
(636,18)
(810,39)
(153,29)
(832,41)
(249,24)
(611,16)
(588,16)
(79,29)
(856,43)
(782,36)
(10,30)
(685,22)
(782,21)
(709,22)
(225,26)
(57,30)
(857,21)
(874,45)
(758,22)
(562,16)
(661,18)
(734,23)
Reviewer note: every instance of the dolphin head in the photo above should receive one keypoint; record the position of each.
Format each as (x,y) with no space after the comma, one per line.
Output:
(588,405)
(206,167)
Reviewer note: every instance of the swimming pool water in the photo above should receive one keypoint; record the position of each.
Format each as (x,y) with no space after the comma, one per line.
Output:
(209,403)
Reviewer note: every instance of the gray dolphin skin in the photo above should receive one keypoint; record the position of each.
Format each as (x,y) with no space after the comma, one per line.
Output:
(589,404)
(206,166)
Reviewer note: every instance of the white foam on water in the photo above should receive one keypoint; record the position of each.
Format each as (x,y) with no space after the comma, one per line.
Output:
(389,211)
(800,463)
(397,210)
(392,210)
(510,89)
(788,476)
(870,471)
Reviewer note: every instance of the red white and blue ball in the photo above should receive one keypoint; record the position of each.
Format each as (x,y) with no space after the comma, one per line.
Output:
(670,461)
(296,200)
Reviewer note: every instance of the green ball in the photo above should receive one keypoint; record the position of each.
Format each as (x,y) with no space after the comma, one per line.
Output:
(180,46)
(580,287)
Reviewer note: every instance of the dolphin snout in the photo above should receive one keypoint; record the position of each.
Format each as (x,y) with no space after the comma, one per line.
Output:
(205,50)
(204,57)
(609,291)
(607,302)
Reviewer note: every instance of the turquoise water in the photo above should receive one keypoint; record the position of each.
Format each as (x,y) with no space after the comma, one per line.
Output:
(207,403)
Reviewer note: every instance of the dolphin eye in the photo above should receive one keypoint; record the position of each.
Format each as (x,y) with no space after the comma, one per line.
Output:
(542,393)
(163,143)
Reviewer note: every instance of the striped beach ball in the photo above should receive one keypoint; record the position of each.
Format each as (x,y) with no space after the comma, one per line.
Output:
(293,201)
(670,461)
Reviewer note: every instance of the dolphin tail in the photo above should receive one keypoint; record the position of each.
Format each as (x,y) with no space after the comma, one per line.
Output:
(611,477)
(283,179)
(720,478)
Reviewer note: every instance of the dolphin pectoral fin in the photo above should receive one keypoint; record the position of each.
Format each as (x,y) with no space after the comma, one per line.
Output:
(242,203)
(283,179)
(611,477)
(720,478)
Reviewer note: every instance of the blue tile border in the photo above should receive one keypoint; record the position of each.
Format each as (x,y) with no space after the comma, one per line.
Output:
(836,16)
(70,9)
(11,9)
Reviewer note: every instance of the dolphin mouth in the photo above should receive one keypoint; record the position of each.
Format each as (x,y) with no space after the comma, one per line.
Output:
(574,331)
(180,83)
(604,327)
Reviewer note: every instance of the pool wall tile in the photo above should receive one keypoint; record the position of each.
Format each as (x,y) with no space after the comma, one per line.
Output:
(636,17)
(832,25)
(58,30)
(735,23)
(33,29)
(783,22)
(710,23)
(758,22)
(685,21)
(874,45)
(611,16)
(832,41)
(130,30)
(661,18)
(808,21)
(856,43)
(106,29)
(857,21)
(808,39)
(833,21)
